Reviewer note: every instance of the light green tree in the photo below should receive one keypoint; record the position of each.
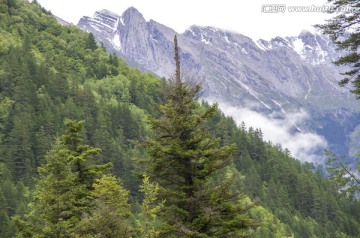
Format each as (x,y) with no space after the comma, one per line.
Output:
(63,189)
(149,223)
(109,217)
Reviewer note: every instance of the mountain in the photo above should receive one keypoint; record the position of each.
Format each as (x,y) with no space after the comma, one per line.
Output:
(275,78)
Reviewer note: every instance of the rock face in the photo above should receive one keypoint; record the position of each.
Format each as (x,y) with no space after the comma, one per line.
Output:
(271,77)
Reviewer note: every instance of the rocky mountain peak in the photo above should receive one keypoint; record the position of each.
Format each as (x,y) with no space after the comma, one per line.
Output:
(107,18)
(132,15)
(314,48)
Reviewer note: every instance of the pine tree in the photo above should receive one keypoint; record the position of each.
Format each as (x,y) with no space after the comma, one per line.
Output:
(187,163)
(62,194)
(82,156)
(343,175)
(109,218)
(56,194)
(149,225)
(5,224)
(20,144)
(90,42)
(343,30)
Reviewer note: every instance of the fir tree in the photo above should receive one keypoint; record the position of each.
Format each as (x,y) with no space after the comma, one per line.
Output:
(343,30)
(149,225)
(62,194)
(90,42)
(110,213)
(343,175)
(185,161)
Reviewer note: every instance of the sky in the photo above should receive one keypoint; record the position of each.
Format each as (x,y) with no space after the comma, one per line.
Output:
(255,18)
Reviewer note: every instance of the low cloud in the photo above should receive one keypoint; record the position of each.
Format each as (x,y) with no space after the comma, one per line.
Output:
(304,146)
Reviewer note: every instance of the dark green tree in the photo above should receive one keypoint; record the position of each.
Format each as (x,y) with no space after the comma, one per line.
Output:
(5,223)
(343,30)
(20,148)
(90,42)
(190,166)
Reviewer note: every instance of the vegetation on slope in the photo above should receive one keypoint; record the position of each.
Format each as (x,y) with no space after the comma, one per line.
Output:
(49,73)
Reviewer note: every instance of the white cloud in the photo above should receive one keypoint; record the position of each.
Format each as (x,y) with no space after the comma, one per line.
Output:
(304,146)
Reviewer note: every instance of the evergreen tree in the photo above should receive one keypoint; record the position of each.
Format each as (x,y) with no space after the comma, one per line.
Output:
(56,195)
(149,225)
(110,213)
(63,189)
(343,30)
(5,223)
(343,175)
(90,42)
(82,156)
(185,160)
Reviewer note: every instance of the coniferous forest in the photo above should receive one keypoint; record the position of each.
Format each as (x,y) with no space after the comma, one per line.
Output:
(90,147)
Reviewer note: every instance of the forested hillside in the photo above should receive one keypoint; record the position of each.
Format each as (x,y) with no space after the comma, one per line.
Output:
(75,127)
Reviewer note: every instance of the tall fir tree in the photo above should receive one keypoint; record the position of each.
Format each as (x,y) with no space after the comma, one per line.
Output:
(190,167)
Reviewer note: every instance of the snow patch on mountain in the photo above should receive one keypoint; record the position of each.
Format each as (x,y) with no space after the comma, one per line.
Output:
(299,48)
(260,45)
(226,38)
(280,42)
(116,41)
(205,38)
(122,21)
(313,48)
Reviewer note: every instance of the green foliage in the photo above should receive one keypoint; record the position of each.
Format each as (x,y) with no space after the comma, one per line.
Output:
(90,42)
(343,30)
(183,158)
(345,177)
(270,226)
(110,213)
(62,191)
(148,222)
(56,204)
(12,200)
(6,226)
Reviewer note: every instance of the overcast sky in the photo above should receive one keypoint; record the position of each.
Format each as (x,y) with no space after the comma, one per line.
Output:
(251,18)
